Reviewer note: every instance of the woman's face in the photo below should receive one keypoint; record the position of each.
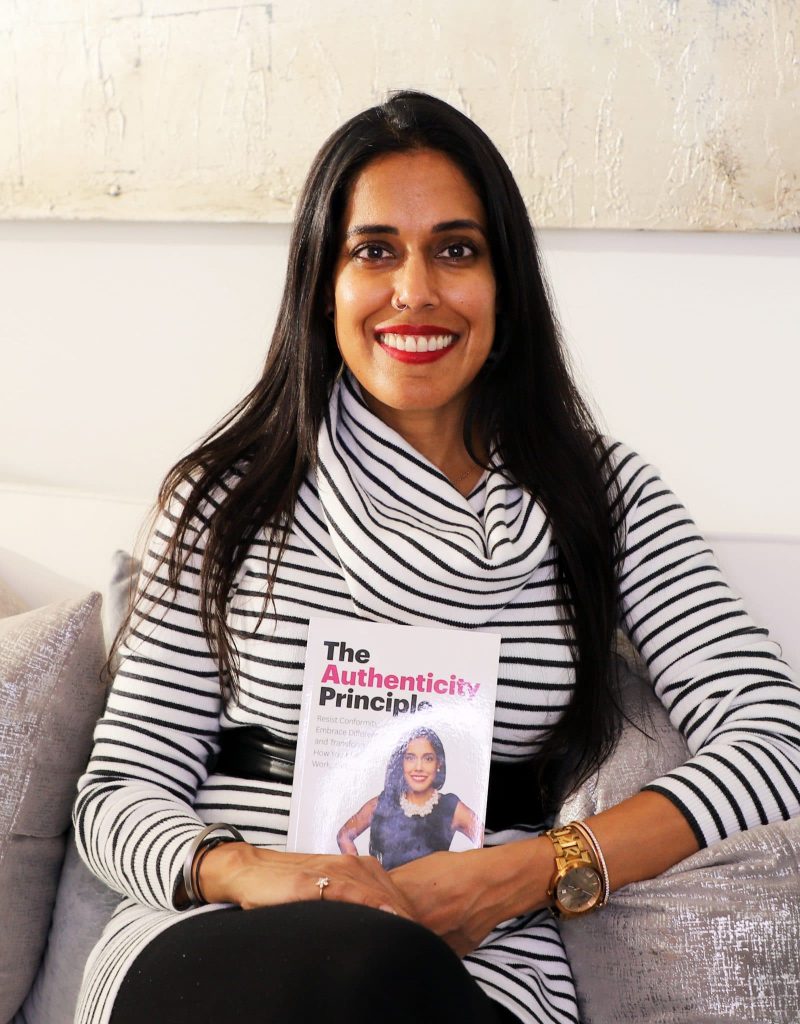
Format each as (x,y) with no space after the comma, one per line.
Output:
(413,285)
(420,765)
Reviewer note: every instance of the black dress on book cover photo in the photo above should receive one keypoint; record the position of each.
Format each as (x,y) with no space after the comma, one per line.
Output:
(396,838)
(411,818)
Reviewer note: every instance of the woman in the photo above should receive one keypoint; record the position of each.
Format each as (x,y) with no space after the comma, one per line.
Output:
(414,452)
(410,818)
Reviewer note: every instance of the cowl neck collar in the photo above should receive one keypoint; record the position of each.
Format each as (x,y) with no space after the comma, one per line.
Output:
(411,547)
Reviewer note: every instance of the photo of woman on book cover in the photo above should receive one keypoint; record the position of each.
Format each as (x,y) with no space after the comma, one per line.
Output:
(411,817)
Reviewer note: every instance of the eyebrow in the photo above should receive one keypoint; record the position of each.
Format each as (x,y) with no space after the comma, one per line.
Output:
(387,229)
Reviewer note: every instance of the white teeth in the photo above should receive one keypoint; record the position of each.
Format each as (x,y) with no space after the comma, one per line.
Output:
(412,343)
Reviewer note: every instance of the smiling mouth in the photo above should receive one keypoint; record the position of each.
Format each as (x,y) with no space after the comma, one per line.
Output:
(417,342)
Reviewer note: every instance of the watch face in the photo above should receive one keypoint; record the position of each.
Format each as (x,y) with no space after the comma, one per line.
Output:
(579,889)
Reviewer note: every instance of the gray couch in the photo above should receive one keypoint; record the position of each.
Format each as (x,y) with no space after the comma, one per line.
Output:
(716,938)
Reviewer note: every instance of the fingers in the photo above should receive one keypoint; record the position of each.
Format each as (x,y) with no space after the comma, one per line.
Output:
(366,885)
(272,877)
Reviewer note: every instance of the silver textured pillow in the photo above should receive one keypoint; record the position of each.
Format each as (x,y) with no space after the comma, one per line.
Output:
(649,747)
(50,698)
(715,938)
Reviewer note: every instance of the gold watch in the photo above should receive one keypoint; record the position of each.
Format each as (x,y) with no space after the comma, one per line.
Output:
(577,886)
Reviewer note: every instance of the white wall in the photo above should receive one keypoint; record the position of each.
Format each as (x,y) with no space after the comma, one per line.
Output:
(121,344)
(691,345)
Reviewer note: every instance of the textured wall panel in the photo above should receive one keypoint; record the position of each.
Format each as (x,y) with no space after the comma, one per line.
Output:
(674,114)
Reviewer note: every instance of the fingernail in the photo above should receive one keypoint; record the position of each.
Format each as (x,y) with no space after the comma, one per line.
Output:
(388,909)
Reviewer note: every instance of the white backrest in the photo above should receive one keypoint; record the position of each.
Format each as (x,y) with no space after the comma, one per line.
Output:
(765,571)
(69,535)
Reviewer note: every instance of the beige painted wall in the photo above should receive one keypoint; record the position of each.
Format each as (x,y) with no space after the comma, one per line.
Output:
(624,114)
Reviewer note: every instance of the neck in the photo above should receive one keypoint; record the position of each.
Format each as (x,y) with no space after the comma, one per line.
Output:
(419,798)
(438,435)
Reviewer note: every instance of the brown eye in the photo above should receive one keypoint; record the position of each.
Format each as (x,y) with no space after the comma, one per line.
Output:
(371,252)
(458,251)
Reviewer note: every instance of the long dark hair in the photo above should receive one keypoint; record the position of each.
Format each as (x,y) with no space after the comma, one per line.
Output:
(394,780)
(524,403)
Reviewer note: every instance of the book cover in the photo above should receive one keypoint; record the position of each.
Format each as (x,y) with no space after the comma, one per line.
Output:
(394,745)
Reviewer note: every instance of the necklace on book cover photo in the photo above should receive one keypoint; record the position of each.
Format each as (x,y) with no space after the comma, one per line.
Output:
(419,810)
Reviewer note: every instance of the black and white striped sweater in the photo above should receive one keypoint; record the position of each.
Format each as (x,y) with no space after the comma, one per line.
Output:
(380,533)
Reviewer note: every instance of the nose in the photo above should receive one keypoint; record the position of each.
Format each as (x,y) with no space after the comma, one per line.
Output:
(415,285)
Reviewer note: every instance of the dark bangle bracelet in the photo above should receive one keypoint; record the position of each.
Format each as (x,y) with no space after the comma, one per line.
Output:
(201,840)
(208,845)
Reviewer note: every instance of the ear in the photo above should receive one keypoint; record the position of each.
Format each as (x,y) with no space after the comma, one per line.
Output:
(328,299)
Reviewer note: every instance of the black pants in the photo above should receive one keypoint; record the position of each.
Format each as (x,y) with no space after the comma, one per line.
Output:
(301,963)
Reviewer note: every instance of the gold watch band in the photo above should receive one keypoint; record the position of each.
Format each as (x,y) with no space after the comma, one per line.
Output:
(569,845)
(574,852)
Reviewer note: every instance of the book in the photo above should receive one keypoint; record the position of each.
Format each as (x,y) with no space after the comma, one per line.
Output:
(394,743)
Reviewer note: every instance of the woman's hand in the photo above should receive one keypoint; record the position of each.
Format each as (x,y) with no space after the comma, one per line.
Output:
(463,896)
(243,874)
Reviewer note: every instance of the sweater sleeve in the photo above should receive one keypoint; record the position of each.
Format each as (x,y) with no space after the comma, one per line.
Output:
(133,815)
(721,678)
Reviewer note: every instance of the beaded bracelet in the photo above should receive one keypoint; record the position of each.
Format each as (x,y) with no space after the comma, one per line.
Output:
(601,861)
(200,846)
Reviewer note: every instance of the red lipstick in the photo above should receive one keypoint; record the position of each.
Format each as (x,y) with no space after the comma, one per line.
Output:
(418,331)
(416,357)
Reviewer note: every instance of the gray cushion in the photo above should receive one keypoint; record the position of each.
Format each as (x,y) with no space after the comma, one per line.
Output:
(650,745)
(83,906)
(121,588)
(50,698)
(716,937)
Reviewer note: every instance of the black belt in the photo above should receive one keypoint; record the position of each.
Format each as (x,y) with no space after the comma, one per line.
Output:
(252,752)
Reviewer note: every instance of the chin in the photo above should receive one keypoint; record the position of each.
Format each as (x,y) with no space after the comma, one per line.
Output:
(415,396)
